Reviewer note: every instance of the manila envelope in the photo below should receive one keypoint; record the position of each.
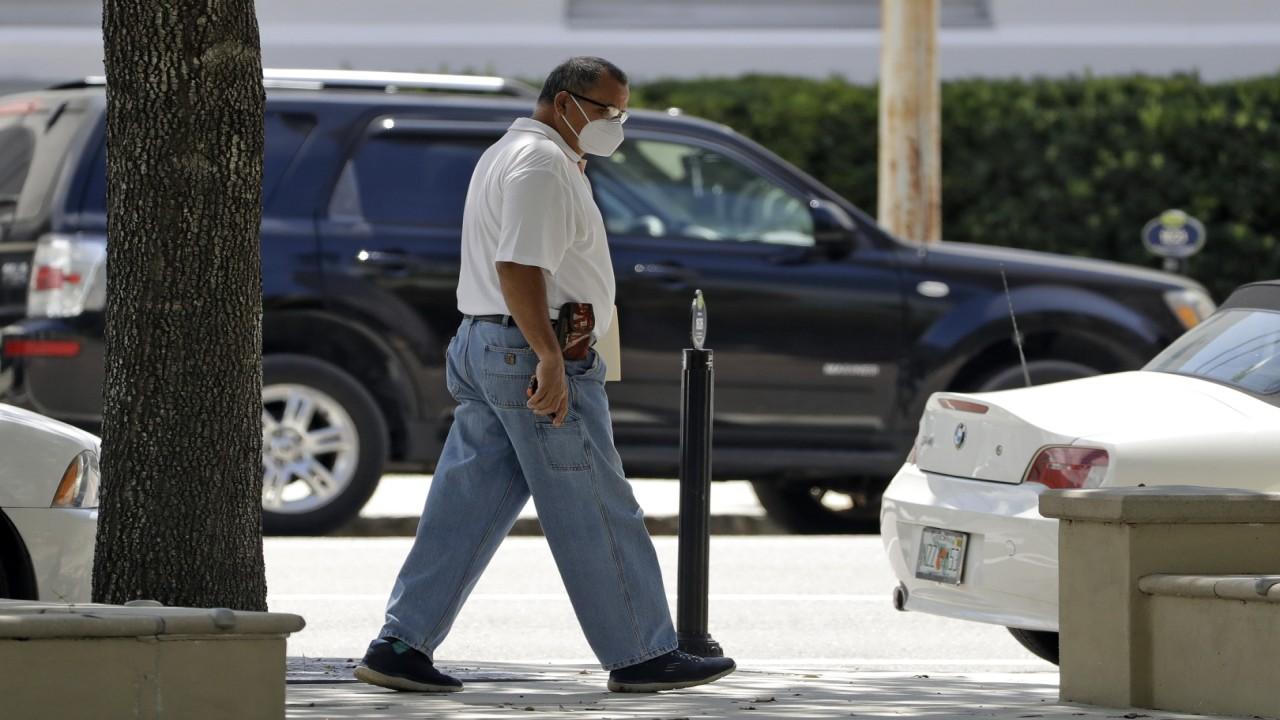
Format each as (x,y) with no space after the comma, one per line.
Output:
(610,350)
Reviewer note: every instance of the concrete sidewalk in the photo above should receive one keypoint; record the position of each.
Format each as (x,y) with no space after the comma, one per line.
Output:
(326,689)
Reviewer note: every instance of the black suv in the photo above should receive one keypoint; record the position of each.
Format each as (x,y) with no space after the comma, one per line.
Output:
(830,333)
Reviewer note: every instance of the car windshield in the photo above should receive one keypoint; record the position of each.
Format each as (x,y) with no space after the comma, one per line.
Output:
(1239,347)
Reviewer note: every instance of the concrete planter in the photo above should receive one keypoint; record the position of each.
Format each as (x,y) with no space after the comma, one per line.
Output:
(1167,598)
(109,661)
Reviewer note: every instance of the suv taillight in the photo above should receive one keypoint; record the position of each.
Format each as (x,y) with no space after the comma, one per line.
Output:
(68,276)
(1064,468)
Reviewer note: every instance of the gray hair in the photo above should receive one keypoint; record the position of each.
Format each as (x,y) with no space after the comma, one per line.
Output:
(578,75)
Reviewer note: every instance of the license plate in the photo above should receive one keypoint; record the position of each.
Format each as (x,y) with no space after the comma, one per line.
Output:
(942,555)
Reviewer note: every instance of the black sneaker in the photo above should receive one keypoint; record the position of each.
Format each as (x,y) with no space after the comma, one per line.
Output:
(391,663)
(672,671)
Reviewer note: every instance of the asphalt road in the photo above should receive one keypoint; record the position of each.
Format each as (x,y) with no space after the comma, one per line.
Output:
(775,600)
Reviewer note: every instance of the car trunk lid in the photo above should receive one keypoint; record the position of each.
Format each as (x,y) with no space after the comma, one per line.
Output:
(970,437)
(995,436)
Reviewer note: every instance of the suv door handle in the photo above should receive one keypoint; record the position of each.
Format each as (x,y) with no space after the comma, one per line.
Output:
(385,261)
(671,274)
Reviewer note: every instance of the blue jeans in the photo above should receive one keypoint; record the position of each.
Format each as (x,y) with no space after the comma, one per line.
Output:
(497,455)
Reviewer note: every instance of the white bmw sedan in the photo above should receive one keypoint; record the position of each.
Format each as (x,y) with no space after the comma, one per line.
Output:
(48,508)
(960,521)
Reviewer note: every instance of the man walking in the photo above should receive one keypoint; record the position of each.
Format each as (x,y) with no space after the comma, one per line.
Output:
(532,416)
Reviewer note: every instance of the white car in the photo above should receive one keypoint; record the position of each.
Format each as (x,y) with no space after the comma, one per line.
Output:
(960,521)
(48,508)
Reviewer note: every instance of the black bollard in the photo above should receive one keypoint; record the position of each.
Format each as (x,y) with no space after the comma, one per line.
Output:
(697,395)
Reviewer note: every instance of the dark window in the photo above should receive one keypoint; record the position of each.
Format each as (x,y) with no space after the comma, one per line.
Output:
(657,188)
(408,180)
(17,147)
(285,133)
(95,192)
(36,138)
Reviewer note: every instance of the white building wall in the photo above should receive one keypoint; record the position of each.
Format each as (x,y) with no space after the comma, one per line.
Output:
(60,39)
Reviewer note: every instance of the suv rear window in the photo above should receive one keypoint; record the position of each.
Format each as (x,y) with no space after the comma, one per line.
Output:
(36,132)
(17,147)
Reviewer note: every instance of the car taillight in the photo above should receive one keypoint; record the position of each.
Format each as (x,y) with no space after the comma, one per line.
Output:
(963,406)
(17,347)
(52,278)
(68,276)
(1069,467)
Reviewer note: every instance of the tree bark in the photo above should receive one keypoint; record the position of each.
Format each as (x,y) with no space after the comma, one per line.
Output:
(180,517)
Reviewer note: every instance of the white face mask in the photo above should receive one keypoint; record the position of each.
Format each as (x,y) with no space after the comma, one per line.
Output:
(599,137)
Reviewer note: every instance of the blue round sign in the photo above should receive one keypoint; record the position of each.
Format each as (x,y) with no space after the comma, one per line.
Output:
(1174,234)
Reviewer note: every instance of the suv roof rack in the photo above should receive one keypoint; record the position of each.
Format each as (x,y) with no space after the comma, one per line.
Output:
(304,79)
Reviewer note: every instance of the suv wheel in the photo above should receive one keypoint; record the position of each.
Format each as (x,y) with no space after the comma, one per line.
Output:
(853,506)
(821,507)
(324,444)
(1041,643)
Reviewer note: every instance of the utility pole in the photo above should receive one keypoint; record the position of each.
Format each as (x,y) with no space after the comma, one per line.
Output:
(909,201)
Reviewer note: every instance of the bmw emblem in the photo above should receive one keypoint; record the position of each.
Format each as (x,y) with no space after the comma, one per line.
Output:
(960,435)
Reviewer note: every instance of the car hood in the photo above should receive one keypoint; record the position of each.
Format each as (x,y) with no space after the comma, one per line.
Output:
(34,453)
(1134,415)
(1034,265)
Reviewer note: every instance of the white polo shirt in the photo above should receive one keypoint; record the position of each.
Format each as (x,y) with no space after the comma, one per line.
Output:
(530,203)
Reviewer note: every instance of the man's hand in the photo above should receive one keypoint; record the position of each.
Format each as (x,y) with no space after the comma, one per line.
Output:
(525,291)
(552,391)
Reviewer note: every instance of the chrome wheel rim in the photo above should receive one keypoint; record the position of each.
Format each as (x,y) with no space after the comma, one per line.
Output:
(310,449)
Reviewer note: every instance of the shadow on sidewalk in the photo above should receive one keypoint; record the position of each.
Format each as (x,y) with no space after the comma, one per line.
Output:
(498,690)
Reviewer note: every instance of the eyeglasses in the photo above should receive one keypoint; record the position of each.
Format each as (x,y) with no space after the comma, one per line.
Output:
(610,112)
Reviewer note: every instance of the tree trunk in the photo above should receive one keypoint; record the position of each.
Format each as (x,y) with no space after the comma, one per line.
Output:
(180,513)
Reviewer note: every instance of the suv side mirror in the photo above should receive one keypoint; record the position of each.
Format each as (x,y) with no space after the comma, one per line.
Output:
(834,230)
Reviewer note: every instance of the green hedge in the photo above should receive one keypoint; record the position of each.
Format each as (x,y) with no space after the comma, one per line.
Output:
(1074,165)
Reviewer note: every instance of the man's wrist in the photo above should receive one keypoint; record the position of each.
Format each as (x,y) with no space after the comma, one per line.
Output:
(551,358)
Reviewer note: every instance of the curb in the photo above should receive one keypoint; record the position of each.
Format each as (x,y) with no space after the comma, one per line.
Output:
(402,526)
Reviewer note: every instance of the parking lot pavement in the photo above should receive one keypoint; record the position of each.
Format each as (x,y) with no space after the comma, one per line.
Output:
(394,508)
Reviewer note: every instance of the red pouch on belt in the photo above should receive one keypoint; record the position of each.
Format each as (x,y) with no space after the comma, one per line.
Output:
(573,328)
